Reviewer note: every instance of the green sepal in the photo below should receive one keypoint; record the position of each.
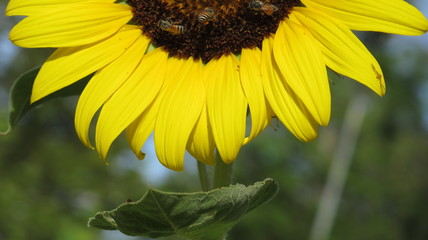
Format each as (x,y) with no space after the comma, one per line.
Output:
(20,94)
(195,216)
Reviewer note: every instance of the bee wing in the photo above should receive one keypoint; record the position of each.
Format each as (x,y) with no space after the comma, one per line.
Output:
(269,9)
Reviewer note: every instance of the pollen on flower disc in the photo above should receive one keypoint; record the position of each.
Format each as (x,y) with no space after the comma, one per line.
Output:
(234,24)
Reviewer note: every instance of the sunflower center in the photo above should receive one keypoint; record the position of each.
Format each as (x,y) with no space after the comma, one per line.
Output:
(207,29)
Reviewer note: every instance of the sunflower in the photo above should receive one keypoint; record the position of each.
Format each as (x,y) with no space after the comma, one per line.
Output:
(191,70)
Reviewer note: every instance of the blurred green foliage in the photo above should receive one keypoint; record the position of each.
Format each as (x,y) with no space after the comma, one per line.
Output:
(51,184)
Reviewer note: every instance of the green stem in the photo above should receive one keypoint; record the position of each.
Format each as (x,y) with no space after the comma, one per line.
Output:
(222,173)
(203,176)
(222,176)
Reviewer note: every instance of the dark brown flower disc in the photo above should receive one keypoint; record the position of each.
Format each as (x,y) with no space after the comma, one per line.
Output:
(206,29)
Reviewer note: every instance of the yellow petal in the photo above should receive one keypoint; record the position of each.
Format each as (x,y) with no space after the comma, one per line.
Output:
(140,129)
(251,80)
(104,83)
(71,25)
(284,102)
(226,106)
(343,51)
(179,110)
(32,7)
(67,65)
(390,16)
(299,60)
(130,100)
(201,141)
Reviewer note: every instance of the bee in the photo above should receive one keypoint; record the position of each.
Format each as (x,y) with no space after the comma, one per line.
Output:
(171,27)
(267,8)
(206,15)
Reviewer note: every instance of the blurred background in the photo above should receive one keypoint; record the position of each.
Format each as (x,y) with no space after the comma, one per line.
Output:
(364,177)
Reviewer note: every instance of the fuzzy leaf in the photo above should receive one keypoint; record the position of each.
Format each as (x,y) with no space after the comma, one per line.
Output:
(195,216)
(20,93)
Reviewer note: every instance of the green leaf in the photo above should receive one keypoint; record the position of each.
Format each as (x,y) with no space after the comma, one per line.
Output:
(195,216)
(19,101)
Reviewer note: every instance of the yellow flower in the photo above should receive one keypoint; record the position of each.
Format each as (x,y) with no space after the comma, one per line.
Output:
(214,61)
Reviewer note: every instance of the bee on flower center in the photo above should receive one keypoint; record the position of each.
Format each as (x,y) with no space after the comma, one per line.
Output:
(206,15)
(267,8)
(209,29)
(167,25)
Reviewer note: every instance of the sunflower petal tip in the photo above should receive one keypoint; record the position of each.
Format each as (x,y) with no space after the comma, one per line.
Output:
(12,37)
(324,115)
(177,168)
(325,123)
(88,145)
(10,10)
(102,155)
(229,159)
(175,164)
(33,99)
(382,91)
(83,137)
(307,140)
(140,155)
(104,160)
(36,94)
(425,27)
(308,137)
